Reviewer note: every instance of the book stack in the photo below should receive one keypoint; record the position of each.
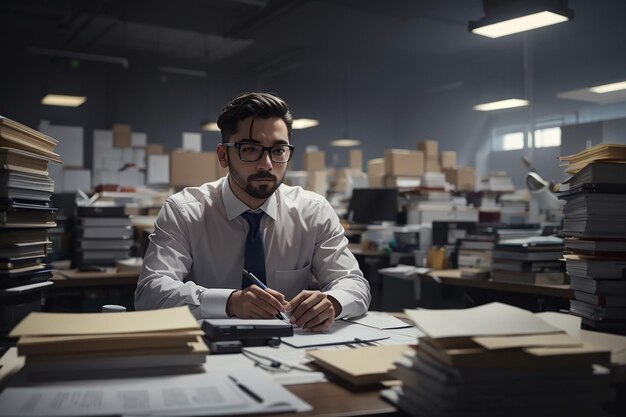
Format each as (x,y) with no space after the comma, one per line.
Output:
(103,235)
(532,260)
(26,215)
(594,223)
(72,346)
(499,360)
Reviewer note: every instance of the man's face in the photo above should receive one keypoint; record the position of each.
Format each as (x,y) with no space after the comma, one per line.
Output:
(258,179)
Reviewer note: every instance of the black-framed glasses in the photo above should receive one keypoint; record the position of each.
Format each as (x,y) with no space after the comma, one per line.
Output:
(252,152)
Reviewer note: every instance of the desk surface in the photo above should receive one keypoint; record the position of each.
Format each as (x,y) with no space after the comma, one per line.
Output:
(453,277)
(73,278)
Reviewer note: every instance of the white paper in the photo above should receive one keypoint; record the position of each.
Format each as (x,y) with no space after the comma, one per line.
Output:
(138,139)
(491,319)
(158,169)
(210,393)
(76,179)
(102,139)
(192,141)
(380,320)
(341,332)
(70,146)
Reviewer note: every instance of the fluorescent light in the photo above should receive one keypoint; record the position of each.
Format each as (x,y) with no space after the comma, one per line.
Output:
(210,127)
(520,24)
(304,123)
(502,104)
(608,88)
(62,100)
(345,143)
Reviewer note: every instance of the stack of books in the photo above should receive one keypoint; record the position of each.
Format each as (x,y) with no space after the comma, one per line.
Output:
(594,223)
(533,260)
(71,345)
(103,235)
(26,214)
(499,360)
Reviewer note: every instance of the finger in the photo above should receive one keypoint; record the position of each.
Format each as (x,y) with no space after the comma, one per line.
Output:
(311,308)
(273,305)
(318,314)
(325,325)
(295,302)
(302,305)
(281,299)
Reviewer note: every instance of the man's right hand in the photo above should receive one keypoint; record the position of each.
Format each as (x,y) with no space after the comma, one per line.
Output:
(254,302)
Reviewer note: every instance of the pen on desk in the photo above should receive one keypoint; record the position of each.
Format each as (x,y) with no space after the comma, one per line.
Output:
(250,275)
(245,389)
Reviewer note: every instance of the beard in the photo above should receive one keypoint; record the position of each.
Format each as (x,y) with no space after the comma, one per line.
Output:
(260,191)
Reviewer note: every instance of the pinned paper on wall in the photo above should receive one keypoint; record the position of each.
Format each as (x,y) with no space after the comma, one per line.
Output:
(192,141)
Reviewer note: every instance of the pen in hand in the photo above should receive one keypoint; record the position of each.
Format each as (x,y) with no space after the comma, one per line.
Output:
(250,275)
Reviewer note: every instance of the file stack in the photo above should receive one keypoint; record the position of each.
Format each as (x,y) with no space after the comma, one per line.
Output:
(26,215)
(499,360)
(595,226)
(532,260)
(103,235)
(75,345)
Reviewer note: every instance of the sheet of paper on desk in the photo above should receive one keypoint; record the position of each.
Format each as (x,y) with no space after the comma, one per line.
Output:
(341,332)
(189,395)
(380,320)
(488,320)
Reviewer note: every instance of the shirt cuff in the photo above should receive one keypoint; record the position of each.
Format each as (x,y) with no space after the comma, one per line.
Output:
(213,303)
(346,300)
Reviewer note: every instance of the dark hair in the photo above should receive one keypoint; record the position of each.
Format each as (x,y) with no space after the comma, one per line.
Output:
(262,105)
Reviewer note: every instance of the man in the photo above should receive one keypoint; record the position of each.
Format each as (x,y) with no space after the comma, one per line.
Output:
(205,236)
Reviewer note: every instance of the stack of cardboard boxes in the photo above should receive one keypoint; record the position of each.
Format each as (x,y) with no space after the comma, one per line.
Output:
(430,148)
(402,166)
(314,163)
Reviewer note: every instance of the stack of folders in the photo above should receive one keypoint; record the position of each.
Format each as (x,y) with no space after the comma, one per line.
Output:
(499,360)
(595,225)
(103,235)
(67,345)
(26,215)
(533,260)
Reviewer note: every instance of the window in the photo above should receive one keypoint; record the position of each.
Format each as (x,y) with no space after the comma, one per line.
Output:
(512,141)
(547,137)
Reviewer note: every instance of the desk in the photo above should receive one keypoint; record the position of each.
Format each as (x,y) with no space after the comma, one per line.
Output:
(73,278)
(534,297)
(75,291)
(330,399)
(453,277)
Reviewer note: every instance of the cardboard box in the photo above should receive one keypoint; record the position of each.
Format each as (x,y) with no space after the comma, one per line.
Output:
(121,136)
(432,165)
(355,159)
(376,167)
(430,148)
(314,161)
(447,159)
(403,162)
(463,178)
(188,168)
(154,149)
(317,181)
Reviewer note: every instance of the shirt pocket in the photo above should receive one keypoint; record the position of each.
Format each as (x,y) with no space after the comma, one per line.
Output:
(290,283)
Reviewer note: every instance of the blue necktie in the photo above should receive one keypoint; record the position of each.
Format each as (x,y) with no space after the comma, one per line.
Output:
(255,255)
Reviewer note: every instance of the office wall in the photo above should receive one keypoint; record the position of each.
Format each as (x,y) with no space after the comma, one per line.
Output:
(387,98)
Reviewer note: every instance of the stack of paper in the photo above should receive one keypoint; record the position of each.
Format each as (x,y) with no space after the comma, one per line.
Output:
(71,345)
(103,235)
(499,360)
(532,260)
(595,223)
(25,217)
(599,152)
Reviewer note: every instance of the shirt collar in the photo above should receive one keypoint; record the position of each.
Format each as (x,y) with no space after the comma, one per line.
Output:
(234,206)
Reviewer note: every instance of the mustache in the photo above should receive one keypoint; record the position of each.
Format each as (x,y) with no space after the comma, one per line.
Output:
(262,175)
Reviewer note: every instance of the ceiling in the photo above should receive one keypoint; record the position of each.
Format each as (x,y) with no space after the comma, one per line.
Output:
(199,33)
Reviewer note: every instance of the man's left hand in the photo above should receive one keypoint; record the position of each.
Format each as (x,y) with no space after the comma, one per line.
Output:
(314,310)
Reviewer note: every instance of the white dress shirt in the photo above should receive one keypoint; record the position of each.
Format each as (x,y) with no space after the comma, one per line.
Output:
(196,253)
